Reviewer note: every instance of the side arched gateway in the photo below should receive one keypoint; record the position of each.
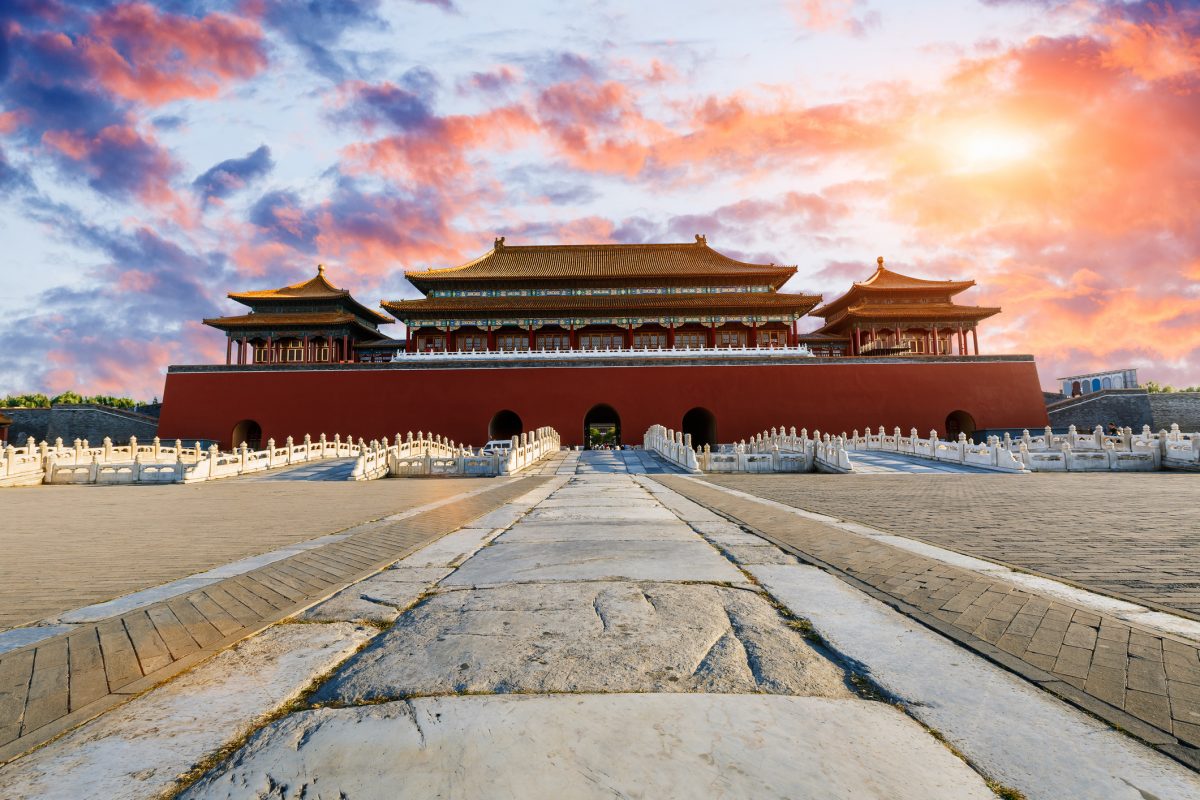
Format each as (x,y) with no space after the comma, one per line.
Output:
(702,425)
(959,422)
(247,431)
(505,425)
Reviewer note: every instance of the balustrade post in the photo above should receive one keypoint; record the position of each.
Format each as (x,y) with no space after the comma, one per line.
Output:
(290,445)
(270,453)
(10,455)
(78,451)
(242,458)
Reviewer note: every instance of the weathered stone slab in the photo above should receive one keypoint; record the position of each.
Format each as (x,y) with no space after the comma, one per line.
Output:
(725,533)
(748,554)
(588,637)
(590,531)
(348,606)
(591,560)
(138,750)
(408,574)
(450,550)
(648,513)
(596,500)
(655,746)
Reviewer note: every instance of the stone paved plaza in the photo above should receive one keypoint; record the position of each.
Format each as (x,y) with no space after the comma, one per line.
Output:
(1135,535)
(605,627)
(68,546)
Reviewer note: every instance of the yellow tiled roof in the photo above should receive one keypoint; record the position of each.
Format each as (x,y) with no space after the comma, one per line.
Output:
(592,261)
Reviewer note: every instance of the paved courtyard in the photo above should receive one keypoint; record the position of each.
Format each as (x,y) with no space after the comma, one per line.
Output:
(70,546)
(605,628)
(1135,535)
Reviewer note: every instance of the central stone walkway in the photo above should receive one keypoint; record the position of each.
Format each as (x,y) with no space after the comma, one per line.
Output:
(595,646)
(876,463)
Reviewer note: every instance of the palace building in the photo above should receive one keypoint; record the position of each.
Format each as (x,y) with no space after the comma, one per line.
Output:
(601,297)
(607,337)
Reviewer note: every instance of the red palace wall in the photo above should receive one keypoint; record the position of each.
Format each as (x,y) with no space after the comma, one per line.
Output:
(373,401)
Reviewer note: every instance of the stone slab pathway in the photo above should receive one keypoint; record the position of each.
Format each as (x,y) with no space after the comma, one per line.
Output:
(868,462)
(1138,678)
(57,683)
(631,655)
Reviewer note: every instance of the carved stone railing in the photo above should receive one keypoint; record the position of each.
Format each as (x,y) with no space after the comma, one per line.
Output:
(673,446)
(79,463)
(995,454)
(775,450)
(432,456)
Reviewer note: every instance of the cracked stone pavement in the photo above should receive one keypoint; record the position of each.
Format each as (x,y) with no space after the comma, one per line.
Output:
(601,636)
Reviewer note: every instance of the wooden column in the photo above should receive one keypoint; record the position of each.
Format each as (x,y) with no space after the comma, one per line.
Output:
(270,349)
(308,356)
(671,336)
(752,336)
(975,339)
(228,350)
(712,335)
(573,337)
(531,343)
(451,341)
(628,338)
(491,339)
(345,347)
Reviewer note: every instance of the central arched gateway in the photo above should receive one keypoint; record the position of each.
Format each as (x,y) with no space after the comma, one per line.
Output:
(247,431)
(601,427)
(505,425)
(702,425)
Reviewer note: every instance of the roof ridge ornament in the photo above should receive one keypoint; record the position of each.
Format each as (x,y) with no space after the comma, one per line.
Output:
(320,269)
(879,261)
(499,244)
(701,238)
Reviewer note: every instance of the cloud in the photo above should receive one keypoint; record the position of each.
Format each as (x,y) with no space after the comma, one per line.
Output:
(139,53)
(119,161)
(233,174)
(316,26)
(839,16)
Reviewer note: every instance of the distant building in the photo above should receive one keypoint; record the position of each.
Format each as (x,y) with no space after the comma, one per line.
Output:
(1077,385)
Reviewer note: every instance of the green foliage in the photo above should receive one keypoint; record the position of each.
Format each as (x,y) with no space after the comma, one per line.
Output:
(1154,387)
(39,400)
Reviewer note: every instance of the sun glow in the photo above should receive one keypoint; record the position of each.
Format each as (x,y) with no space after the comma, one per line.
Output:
(991,149)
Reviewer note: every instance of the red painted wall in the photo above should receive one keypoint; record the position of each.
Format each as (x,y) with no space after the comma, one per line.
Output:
(834,395)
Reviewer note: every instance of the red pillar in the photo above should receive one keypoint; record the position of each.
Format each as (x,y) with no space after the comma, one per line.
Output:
(752,337)
(531,344)
(671,336)
(228,350)
(451,341)
(975,339)
(270,349)
(857,343)
(491,339)
(712,335)
(345,347)
(308,357)
(629,338)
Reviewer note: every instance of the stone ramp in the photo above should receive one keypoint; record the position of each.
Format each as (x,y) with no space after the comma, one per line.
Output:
(64,680)
(336,469)
(869,462)
(1138,678)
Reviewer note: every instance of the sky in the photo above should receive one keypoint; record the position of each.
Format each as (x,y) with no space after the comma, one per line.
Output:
(155,156)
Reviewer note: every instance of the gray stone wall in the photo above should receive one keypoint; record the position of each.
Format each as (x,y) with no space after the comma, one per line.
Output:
(1125,407)
(89,422)
(1178,407)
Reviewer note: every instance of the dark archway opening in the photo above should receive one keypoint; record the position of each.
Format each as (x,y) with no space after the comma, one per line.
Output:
(601,427)
(959,422)
(505,425)
(702,425)
(247,431)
